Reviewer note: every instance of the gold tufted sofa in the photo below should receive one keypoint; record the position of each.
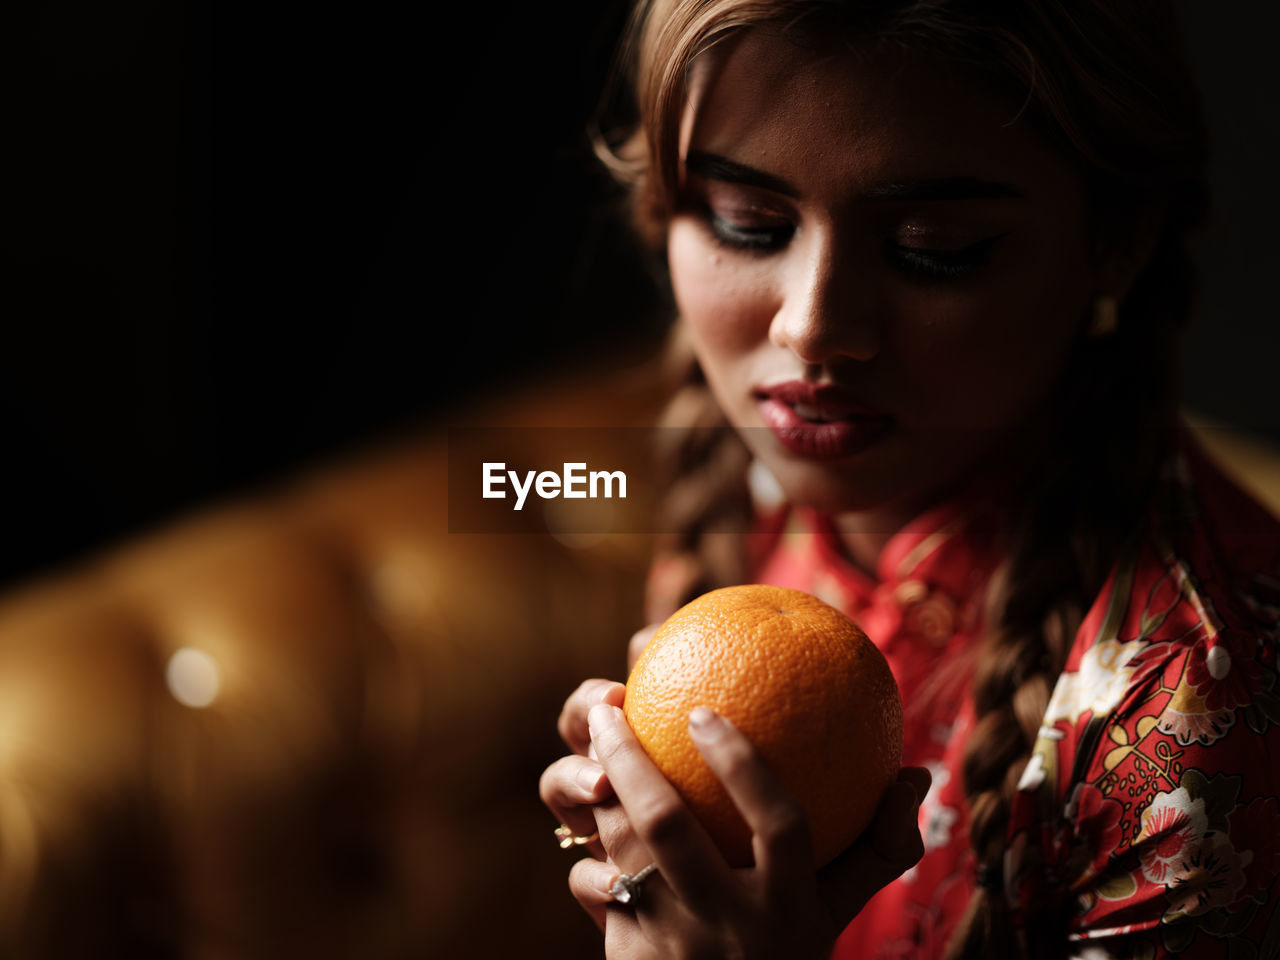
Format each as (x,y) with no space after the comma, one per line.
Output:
(362,783)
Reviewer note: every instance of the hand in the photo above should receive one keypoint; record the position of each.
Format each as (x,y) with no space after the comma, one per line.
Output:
(571,784)
(696,905)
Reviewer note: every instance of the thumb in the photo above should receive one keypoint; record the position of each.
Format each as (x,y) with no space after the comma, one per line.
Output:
(889,847)
(638,641)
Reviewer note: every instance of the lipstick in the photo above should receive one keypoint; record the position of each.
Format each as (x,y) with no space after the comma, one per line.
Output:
(820,421)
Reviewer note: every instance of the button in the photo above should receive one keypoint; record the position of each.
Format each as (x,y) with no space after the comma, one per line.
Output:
(909,592)
(930,616)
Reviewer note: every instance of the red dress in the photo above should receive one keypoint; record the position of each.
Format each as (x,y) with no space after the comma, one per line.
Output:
(1149,811)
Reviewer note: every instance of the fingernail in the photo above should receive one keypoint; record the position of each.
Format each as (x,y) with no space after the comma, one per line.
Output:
(705,724)
(600,718)
(921,794)
(589,778)
(603,881)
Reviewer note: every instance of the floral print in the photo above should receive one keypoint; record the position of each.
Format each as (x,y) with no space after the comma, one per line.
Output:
(1225,673)
(1157,820)
(1098,686)
(1146,822)
(1171,826)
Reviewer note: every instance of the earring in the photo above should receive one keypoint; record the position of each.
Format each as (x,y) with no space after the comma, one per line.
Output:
(1105,318)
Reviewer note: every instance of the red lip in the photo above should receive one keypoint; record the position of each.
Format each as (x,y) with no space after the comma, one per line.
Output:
(844,426)
(835,402)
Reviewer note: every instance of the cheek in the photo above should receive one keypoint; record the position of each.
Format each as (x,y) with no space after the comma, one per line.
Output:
(995,352)
(727,304)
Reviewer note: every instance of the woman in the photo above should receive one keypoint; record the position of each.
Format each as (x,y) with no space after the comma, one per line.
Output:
(931,261)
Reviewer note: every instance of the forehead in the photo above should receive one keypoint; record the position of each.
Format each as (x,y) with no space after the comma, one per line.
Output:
(835,112)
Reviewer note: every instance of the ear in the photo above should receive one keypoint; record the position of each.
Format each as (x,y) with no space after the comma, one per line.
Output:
(1125,245)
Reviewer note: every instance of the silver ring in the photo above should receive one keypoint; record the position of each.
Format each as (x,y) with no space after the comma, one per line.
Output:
(627,887)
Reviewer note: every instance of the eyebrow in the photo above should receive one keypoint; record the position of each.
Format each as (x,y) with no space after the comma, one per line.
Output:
(942,188)
(715,167)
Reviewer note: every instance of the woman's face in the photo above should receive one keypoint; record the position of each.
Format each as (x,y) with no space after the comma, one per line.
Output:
(881,269)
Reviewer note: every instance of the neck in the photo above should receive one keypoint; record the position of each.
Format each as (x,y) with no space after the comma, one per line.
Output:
(865,534)
(863,549)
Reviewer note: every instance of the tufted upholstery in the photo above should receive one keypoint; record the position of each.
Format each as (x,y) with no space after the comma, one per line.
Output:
(364,783)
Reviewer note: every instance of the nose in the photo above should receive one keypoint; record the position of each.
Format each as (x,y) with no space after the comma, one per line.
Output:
(827,306)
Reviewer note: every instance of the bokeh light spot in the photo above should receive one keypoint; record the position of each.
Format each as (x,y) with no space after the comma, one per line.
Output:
(193,677)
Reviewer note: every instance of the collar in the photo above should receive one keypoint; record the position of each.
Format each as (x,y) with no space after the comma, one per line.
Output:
(930,580)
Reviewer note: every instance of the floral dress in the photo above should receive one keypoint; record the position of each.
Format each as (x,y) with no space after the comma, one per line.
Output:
(1147,822)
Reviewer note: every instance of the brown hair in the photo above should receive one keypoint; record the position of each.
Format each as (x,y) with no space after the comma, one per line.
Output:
(1106,83)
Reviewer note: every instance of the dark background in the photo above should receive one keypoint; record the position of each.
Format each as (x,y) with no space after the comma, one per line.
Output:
(244,240)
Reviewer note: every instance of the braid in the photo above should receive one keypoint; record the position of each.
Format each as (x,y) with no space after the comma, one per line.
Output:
(1085,503)
(706,509)
(1085,499)
(1012,682)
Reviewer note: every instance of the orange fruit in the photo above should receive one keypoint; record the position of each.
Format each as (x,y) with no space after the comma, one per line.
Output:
(800,680)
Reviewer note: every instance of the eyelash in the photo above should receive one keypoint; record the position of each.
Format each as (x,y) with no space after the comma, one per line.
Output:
(941,265)
(756,240)
(918,264)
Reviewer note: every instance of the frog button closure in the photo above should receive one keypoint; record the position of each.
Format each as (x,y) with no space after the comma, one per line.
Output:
(930,616)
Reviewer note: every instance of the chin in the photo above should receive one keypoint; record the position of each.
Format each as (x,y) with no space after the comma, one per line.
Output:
(827,488)
(887,483)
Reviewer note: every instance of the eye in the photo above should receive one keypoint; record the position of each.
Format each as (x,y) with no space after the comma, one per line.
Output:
(740,218)
(940,265)
(751,238)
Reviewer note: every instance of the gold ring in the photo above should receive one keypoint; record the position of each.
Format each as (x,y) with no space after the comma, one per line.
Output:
(567,838)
